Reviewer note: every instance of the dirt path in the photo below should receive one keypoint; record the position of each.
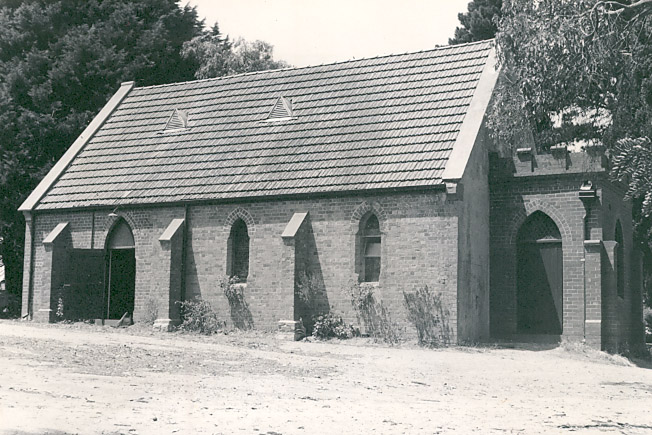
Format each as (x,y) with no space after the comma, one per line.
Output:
(86,380)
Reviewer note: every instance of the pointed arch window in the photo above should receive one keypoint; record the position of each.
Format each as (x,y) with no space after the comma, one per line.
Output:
(371,249)
(238,251)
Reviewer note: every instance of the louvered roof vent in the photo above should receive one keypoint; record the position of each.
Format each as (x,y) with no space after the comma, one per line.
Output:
(282,111)
(178,120)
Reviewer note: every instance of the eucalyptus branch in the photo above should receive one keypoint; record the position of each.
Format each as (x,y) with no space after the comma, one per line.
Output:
(621,7)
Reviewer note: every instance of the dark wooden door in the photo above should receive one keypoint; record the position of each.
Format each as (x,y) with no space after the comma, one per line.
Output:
(540,287)
(122,283)
(86,284)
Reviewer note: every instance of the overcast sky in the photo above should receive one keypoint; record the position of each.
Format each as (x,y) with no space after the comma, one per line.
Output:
(311,32)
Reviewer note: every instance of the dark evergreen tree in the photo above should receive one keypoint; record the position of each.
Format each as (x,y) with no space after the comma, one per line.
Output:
(60,62)
(479,23)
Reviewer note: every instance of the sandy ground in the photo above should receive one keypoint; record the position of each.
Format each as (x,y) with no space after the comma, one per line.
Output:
(82,379)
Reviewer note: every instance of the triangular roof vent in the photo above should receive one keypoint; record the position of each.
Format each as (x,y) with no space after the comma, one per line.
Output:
(178,120)
(282,110)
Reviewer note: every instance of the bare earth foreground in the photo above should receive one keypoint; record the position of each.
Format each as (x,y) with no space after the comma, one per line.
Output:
(83,379)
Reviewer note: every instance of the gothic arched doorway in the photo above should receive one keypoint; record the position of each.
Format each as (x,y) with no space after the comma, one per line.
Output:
(539,276)
(121,272)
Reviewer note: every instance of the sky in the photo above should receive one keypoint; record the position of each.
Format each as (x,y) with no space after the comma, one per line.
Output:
(313,32)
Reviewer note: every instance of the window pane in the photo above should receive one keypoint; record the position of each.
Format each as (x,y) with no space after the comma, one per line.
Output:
(373,248)
(372,227)
(372,269)
(240,253)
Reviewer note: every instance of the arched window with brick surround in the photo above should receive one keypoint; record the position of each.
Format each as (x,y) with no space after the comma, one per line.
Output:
(370,252)
(620,261)
(238,251)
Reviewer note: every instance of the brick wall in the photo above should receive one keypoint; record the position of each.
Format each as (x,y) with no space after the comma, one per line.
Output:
(550,183)
(473,247)
(512,201)
(419,232)
(622,320)
(419,242)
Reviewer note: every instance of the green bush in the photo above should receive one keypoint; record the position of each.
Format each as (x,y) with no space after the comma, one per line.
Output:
(330,325)
(198,316)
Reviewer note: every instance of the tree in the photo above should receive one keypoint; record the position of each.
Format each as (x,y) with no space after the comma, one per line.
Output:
(217,56)
(580,72)
(210,51)
(479,23)
(253,56)
(577,71)
(60,61)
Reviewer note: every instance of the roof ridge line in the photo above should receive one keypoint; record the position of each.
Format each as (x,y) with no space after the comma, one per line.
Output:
(436,48)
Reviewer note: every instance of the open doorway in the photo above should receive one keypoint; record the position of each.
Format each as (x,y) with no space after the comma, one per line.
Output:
(121,272)
(540,276)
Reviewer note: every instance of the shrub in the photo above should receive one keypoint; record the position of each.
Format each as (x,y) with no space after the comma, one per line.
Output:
(307,298)
(307,291)
(234,291)
(330,325)
(59,312)
(648,324)
(376,318)
(198,316)
(360,294)
(427,314)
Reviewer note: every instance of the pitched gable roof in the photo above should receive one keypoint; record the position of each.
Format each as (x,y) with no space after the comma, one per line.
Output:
(386,122)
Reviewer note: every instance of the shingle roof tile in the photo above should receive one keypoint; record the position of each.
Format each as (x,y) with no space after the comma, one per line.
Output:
(386,122)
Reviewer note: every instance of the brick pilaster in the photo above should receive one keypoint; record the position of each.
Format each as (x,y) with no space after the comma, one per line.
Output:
(593,293)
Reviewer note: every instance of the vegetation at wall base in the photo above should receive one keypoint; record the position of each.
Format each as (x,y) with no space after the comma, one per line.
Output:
(427,313)
(198,316)
(233,289)
(331,325)
(373,314)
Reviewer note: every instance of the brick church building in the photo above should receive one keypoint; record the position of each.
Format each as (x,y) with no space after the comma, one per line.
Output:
(378,168)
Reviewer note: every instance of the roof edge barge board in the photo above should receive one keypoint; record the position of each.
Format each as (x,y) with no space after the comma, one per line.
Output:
(75,148)
(473,120)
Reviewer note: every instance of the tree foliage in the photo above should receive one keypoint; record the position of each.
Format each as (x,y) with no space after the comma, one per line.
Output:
(60,61)
(585,62)
(577,71)
(216,55)
(480,22)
